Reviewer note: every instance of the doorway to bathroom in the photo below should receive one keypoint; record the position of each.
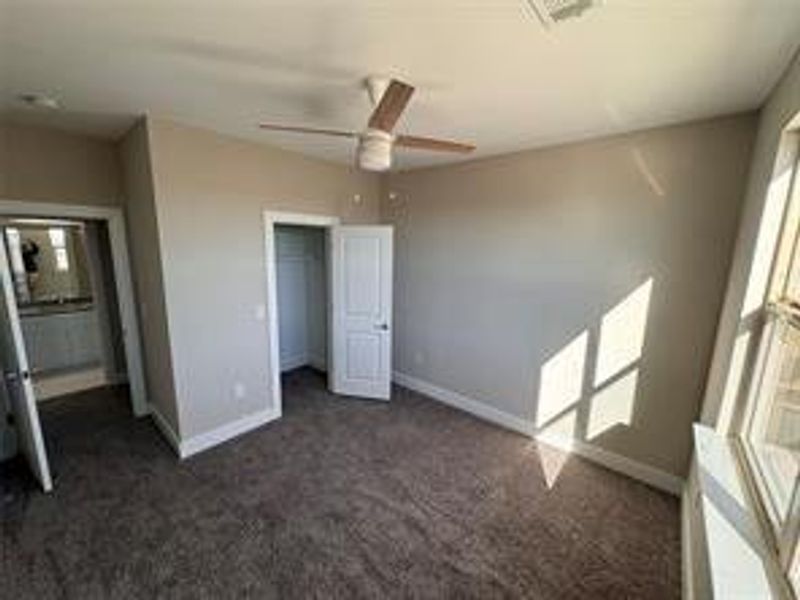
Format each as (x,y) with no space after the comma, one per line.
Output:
(64,287)
(68,323)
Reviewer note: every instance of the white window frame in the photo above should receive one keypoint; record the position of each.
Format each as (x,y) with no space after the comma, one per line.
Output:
(782,535)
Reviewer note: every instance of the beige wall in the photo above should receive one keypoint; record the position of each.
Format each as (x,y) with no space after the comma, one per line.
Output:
(53,166)
(146,269)
(211,191)
(727,376)
(507,267)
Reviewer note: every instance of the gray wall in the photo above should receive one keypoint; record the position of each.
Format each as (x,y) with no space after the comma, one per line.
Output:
(507,267)
(211,191)
(146,269)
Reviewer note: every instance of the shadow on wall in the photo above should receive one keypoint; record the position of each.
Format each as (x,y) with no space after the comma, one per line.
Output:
(589,386)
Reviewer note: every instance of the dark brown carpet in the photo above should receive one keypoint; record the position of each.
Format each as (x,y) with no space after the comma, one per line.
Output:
(340,499)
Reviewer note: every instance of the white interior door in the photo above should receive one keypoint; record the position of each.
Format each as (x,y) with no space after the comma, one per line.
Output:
(16,379)
(361,307)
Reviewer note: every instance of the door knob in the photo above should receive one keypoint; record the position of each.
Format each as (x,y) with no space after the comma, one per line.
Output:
(382,327)
(16,375)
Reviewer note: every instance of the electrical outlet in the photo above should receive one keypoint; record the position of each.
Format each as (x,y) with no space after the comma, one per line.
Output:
(239,391)
(419,358)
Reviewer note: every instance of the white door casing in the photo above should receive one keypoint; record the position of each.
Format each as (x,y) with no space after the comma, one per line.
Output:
(361,310)
(17,381)
(271,219)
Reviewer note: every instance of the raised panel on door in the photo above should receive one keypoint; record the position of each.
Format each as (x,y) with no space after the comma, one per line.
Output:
(362,272)
(363,356)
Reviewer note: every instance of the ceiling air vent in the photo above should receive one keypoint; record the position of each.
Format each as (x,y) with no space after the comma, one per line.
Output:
(552,11)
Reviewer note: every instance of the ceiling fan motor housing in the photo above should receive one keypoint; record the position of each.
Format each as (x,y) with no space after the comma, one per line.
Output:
(375,150)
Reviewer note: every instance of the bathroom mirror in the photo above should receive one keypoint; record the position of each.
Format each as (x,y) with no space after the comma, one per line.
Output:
(48,262)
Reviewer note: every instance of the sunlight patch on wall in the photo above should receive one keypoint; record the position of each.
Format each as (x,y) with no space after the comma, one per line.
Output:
(561,431)
(768,231)
(562,380)
(622,333)
(733,381)
(567,412)
(647,173)
(613,405)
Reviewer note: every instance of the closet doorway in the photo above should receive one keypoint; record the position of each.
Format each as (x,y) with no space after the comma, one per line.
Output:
(329,302)
(68,316)
(301,270)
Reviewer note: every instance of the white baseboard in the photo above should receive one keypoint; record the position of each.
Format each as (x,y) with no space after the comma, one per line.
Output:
(204,441)
(293,362)
(52,386)
(687,536)
(318,362)
(117,378)
(611,460)
(652,476)
(166,429)
(456,400)
(209,439)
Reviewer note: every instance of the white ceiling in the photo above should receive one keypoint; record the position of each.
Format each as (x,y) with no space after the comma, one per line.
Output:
(485,70)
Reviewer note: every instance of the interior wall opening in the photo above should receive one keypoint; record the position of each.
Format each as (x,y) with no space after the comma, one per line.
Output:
(69,342)
(302,294)
(66,296)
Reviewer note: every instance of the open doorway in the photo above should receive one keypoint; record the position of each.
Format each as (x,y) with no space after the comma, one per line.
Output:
(302,293)
(68,320)
(63,281)
(329,303)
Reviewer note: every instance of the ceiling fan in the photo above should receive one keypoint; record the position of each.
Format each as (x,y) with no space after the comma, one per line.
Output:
(375,143)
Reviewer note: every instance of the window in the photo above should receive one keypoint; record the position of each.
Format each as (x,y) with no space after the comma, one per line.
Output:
(769,424)
(58,239)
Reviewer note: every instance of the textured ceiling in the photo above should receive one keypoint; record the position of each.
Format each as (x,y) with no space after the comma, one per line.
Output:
(486,71)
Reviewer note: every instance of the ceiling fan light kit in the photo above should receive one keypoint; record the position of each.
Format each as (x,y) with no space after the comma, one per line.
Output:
(375,150)
(375,143)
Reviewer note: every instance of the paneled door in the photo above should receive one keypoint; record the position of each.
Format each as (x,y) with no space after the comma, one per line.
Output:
(16,384)
(361,307)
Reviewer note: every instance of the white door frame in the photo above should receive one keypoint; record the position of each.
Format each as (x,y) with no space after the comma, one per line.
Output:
(271,219)
(115,219)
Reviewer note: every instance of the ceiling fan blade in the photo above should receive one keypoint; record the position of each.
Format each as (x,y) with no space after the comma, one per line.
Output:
(292,129)
(424,143)
(392,104)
